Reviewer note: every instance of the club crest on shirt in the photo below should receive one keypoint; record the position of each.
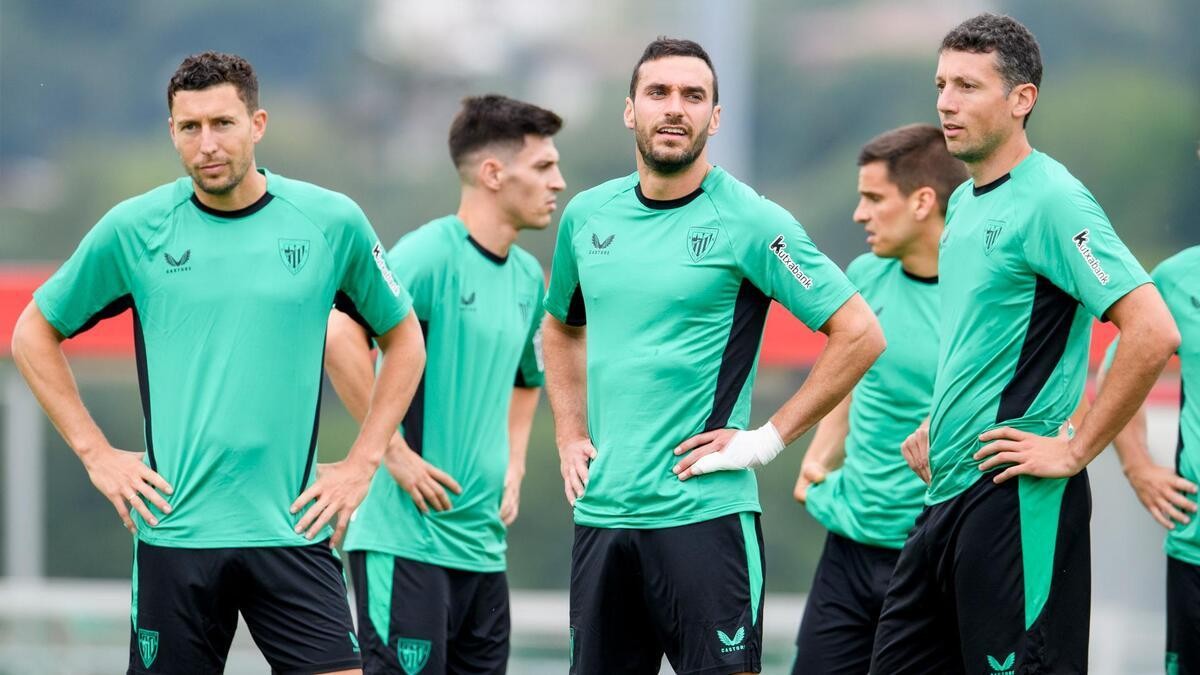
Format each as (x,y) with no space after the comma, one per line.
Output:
(991,235)
(700,241)
(294,253)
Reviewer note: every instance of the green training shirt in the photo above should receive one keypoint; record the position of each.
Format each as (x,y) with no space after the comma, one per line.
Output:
(1025,262)
(1177,280)
(481,315)
(874,498)
(229,312)
(674,295)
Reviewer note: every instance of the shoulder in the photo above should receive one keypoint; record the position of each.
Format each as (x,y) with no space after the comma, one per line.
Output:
(867,266)
(527,263)
(324,207)
(957,195)
(150,208)
(1049,186)
(431,241)
(737,202)
(1183,263)
(589,201)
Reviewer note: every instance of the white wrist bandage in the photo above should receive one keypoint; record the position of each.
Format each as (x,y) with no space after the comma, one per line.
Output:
(746,450)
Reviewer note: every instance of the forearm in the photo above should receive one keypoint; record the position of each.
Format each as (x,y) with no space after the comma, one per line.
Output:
(566,379)
(855,341)
(350,364)
(37,353)
(1147,341)
(1131,442)
(399,374)
(828,446)
(520,423)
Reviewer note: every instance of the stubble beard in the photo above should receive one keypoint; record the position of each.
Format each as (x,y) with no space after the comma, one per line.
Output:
(673,163)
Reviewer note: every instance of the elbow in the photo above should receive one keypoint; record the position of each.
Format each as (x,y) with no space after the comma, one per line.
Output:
(1171,341)
(876,343)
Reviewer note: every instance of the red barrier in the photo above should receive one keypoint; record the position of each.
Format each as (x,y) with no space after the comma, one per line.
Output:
(786,342)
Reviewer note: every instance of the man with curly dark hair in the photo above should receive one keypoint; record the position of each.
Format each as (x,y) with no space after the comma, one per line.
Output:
(230,273)
(996,576)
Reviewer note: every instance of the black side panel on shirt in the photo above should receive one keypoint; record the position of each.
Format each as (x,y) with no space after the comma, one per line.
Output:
(414,419)
(576,311)
(1179,441)
(1045,343)
(312,442)
(745,333)
(139,352)
(107,312)
(343,303)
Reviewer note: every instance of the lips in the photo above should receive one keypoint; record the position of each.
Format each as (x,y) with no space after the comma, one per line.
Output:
(672,131)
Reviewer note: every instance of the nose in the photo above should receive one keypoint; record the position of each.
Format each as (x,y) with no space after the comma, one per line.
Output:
(208,140)
(674,104)
(861,215)
(947,103)
(557,183)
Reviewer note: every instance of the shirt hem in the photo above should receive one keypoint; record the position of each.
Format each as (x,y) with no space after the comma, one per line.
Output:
(450,563)
(641,523)
(274,542)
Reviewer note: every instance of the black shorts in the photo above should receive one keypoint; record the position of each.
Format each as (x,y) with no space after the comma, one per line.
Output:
(995,581)
(842,610)
(693,593)
(414,617)
(1183,618)
(186,603)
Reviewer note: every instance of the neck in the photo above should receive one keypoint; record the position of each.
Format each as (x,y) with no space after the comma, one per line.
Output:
(922,257)
(486,222)
(672,186)
(250,190)
(1002,160)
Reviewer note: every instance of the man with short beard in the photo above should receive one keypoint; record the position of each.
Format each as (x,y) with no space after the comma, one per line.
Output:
(658,294)
(230,273)
(996,576)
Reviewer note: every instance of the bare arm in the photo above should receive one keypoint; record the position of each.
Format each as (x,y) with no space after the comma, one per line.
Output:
(520,422)
(566,386)
(341,486)
(827,451)
(120,476)
(1149,338)
(1160,489)
(351,368)
(855,341)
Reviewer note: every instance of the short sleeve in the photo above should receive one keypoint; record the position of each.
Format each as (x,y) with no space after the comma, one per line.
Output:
(783,263)
(564,299)
(368,290)
(94,283)
(418,263)
(531,371)
(1071,243)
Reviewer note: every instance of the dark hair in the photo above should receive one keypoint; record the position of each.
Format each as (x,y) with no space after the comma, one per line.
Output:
(489,119)
(916,157)
(664,47)
(209,69)
(1018,57)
